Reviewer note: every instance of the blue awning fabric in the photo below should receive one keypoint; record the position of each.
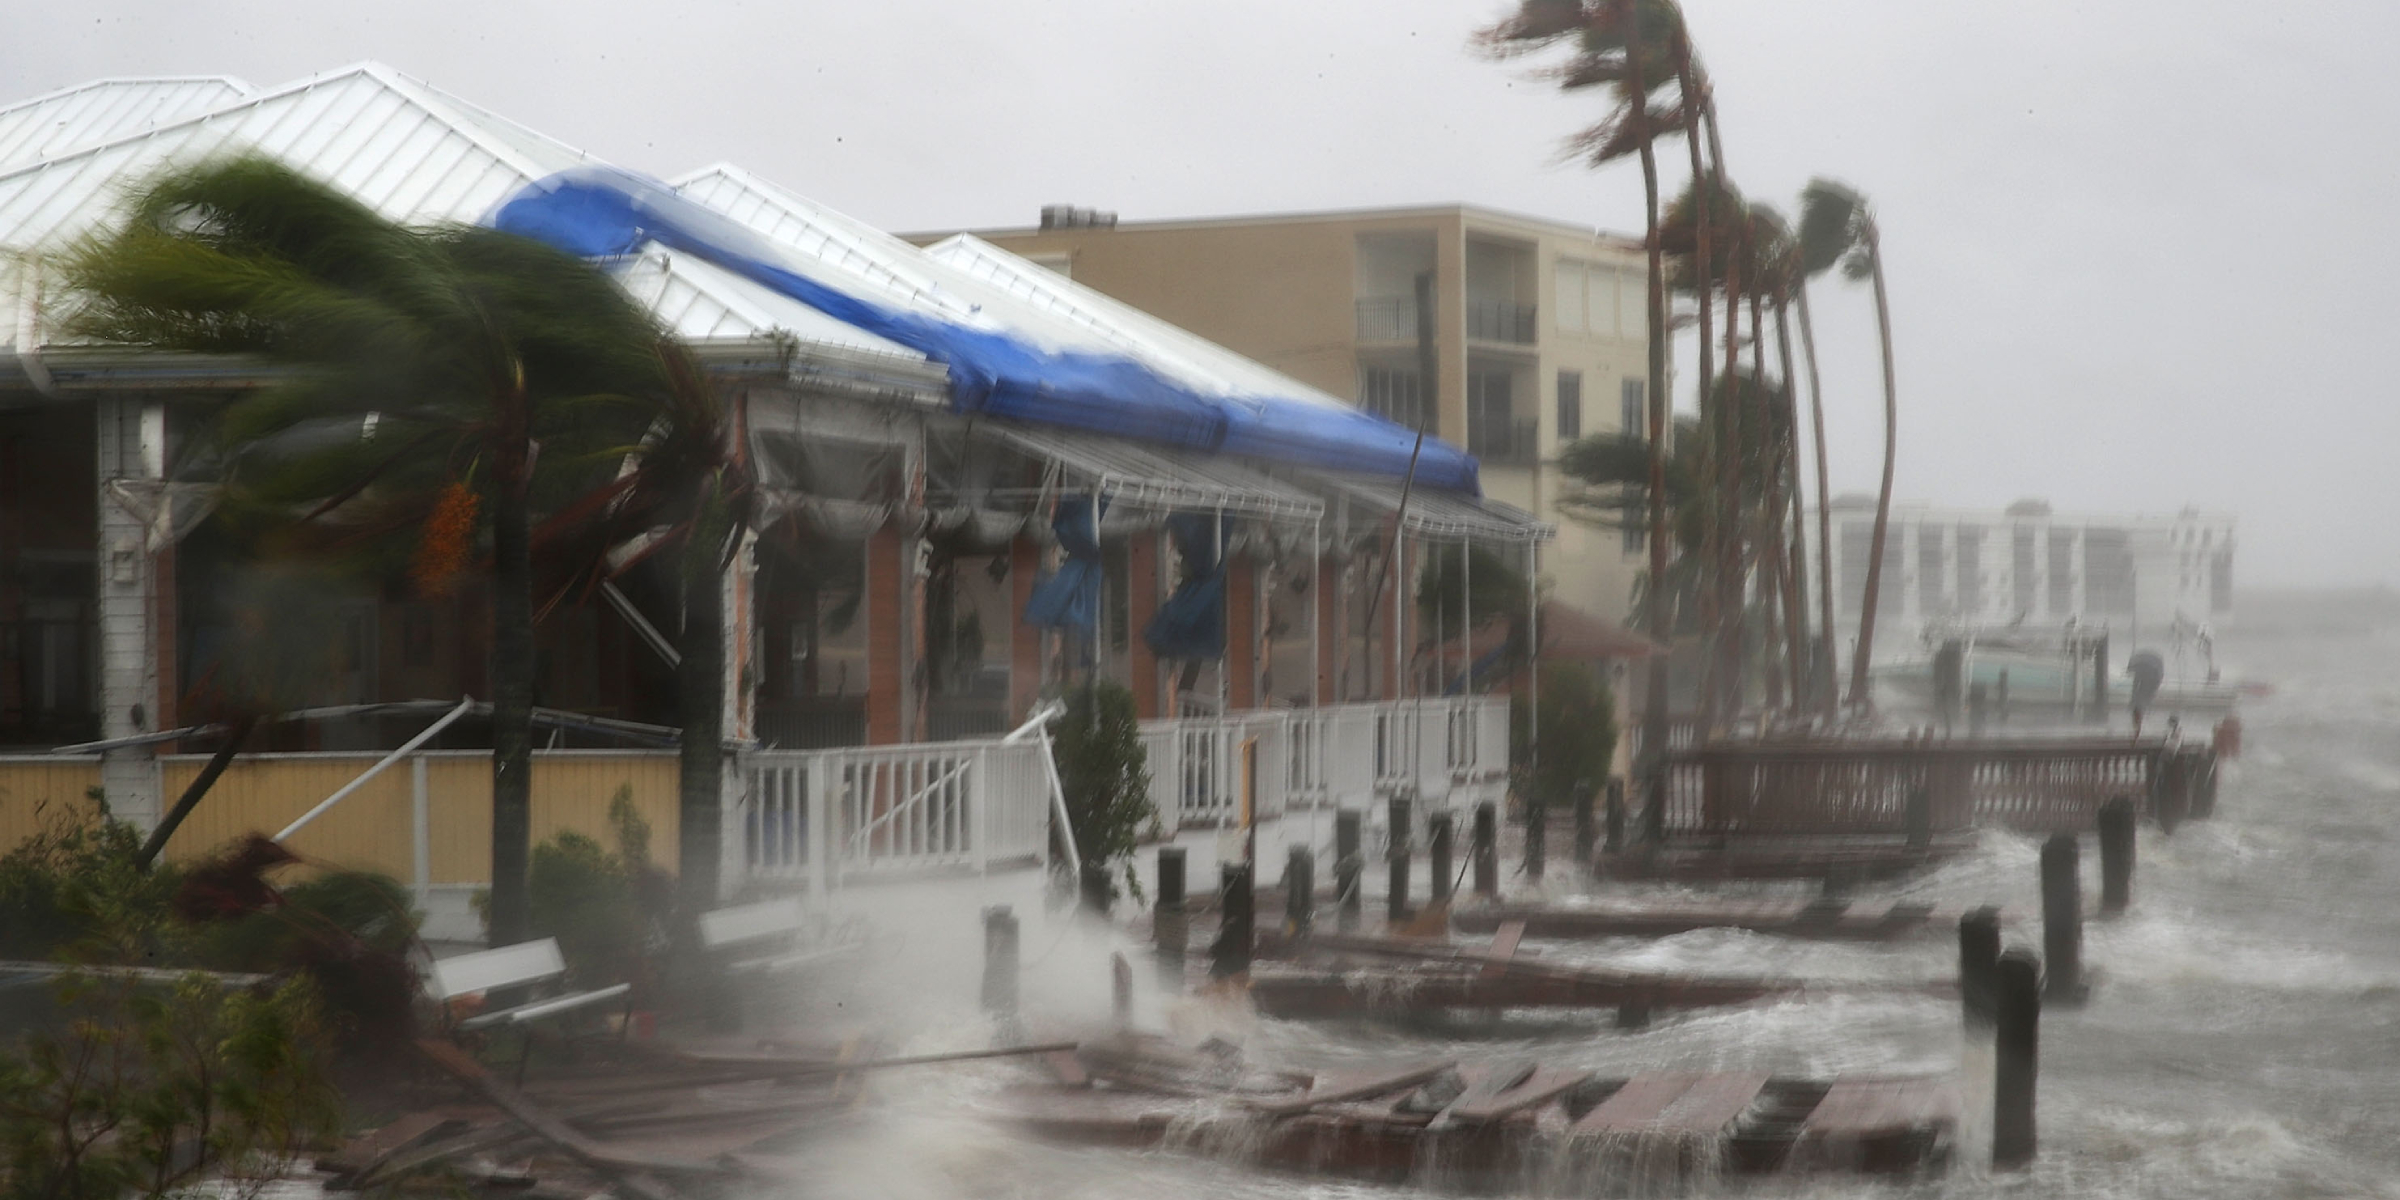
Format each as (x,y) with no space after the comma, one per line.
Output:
(602,212)
(1191,622)
(1069,598)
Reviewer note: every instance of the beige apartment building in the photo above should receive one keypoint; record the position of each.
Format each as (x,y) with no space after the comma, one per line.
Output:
(1538,331)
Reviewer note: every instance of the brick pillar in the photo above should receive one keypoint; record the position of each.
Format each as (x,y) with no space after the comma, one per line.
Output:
(1141,586)
(1241,633)
(1024,641)
(886,680)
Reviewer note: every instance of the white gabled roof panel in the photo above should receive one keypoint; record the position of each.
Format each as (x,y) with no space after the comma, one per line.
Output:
(104,111)
(406,150)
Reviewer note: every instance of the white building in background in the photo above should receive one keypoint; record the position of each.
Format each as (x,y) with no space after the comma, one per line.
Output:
(2139,577)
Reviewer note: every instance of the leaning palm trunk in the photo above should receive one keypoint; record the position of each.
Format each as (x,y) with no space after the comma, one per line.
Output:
(1662,630)
(1796,619)
(512,675)
(700,678)
(1859,694)
(1816,417)
(1712,533)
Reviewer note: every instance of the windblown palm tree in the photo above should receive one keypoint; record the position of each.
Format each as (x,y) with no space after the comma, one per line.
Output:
(434,384)
(1836,225)
(1629,49)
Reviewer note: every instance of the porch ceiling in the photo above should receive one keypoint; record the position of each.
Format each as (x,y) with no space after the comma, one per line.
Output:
(1157,478)
(1439,514)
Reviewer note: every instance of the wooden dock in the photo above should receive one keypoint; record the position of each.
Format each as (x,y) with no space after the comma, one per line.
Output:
(1818,920)
(1490,1124)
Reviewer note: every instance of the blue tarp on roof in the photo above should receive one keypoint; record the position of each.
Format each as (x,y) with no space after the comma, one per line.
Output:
(600,212)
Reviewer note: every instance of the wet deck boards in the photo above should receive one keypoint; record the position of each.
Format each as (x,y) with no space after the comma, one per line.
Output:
(1788,918)
(1384,1125)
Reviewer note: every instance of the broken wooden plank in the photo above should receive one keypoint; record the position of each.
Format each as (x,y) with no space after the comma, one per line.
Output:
(731,1067)
(1382,1084)
(1674,1104)
(628,1171)
(1829,922)
(1877,1125)
(1503,948)
(1543,1086)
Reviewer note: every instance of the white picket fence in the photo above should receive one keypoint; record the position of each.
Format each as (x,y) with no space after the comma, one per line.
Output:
(821,817)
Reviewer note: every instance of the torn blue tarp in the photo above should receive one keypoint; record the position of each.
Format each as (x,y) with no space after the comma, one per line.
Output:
(1191,622)
(1069,597)
(600,212)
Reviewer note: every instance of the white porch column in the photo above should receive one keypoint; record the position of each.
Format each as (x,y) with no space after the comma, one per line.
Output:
(132,440)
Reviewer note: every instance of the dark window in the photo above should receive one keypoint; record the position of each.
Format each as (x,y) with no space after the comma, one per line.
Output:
(1493,432)
(1929,569)
(1396,394)
(2023,573)
(2062,572)
(1633,415)
(1970,570)
(1570,405)
(2108,572)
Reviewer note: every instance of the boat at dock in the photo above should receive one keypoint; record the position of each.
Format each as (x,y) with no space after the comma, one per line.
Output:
(2052,676)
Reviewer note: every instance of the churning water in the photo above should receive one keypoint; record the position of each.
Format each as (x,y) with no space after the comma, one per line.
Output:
(2244,1040)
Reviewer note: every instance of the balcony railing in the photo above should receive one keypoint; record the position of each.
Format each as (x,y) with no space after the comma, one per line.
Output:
(1500,321)
(1387,319)
(1503,440)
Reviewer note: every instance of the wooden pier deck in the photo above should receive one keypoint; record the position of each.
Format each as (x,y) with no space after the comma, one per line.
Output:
(1817,920)
(1488,1123)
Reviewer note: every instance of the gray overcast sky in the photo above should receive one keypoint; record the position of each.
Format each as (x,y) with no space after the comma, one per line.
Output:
(2137,250)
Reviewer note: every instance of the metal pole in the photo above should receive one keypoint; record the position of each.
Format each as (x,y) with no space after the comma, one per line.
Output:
(406,748)
(421,829)
(1466,616)
(1316,613)
(1224,617)
(1533,668)
(1100,604)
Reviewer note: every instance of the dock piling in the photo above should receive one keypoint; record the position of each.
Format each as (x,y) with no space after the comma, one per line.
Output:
(1917,818)
(1537,837)
(1978,955)
(1444,826)
(1300,890)
(1237,936)
(1000,961)
(1348,866)
(2062,919)
(1396,902)
(1484,849)
(2116,855)
(1120,978)
(2017,1058)
(1170,926)
(1615,818)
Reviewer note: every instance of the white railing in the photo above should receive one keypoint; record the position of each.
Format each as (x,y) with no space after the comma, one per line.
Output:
(1344,755)
(823,816)
(827,815)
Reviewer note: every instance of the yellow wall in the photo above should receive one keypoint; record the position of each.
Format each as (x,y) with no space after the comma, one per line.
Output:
(371,829)
(36,791)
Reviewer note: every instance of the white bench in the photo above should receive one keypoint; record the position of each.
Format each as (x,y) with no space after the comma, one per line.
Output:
(775,927)
(512,966)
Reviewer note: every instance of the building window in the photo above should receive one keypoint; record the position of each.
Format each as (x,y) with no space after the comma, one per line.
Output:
(1590,299)
(1396,394)
(1633,416)
(2062,572)
(1493,432)
(1570,405)
(1929,570)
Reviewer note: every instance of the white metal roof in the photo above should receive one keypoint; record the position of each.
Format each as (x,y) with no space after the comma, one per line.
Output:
(971,281)
(105,110)
(410,152)
(1156,477)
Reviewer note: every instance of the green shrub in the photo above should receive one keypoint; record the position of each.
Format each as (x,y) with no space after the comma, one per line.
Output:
(607,909)
(1104,774)
(72,890)
(152,1089)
